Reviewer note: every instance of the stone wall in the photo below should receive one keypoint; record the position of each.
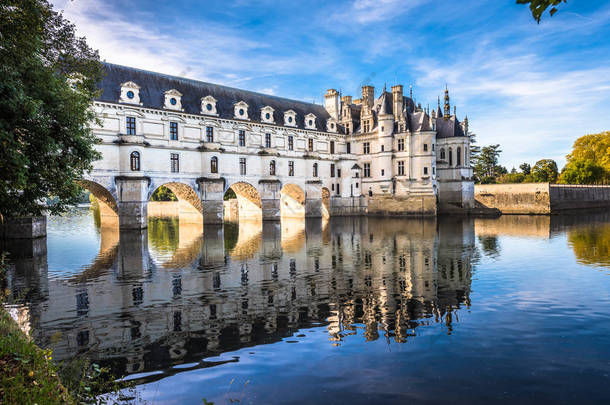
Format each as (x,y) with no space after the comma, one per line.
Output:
(346,206)
(541,198)
(392,205)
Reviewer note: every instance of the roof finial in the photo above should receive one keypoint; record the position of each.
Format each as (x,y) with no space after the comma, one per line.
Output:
(411,91)
(447,109)
(455,110)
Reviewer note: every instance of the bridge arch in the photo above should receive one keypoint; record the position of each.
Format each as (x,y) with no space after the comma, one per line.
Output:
(248,204)
(189,208)
(107,202)
(292,201)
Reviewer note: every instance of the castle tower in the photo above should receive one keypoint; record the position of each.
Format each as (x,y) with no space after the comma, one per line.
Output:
(332,103)
(368,98)
(397,101)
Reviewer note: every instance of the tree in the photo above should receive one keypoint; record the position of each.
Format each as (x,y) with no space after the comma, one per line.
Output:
(512,178)
(538,7)
(486,163)
(474,149)
(163,194)
(526,168)
(582,172)
(48,78)
(545,170)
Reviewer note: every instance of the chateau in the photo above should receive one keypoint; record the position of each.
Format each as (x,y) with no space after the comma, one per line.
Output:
(378,154)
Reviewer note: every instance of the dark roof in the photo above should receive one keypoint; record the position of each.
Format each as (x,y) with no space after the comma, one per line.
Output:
(154,85)
(446,128)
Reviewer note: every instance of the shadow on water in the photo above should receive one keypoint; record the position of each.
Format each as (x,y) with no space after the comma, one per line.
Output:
(158,302)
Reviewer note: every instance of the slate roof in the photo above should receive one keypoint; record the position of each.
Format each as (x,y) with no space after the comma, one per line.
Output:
(448,128)
(154,85)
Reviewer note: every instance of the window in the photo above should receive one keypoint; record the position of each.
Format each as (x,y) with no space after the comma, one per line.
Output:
(272,168)
(175,162)
(290,142)
(242,166)
(367,170)
(401,144)
(349,147)
(357,185)
(338,172)
(338,190)
(443,154)
(290,168)
(242,137)
(315,170)
(425,147)
(131,126)
(332,187)
(425,171)
(401,168)
(382,148)
(310,144)
(366,148)
(366,126)
(209,134)
(458,158)
(214,164)
(267,140)
(433,170)
(332,170)
(432,147)
(173,131)
(134,160)
(450,157)
(347,129)
(382,172)
(332,146)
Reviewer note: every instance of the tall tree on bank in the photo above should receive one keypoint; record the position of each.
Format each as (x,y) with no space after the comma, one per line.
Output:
(486,164)
(545,170)
(48,78)
(538,7)
(589,161)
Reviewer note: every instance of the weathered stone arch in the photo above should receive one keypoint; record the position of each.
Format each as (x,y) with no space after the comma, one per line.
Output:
(248,200)
(106,200)
(325,202)
(292,201)
(189,202)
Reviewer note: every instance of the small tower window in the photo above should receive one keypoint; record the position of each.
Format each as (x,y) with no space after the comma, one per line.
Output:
(267,140)
(173,131)
(175,162)
(443,156)
(425,147)
(291,168)
(134,160)
(290,142)
(130,94)
(242,137)
(332,146)
(458,157)
(310,144)
(272,168)
(209,134)
(315,170)
(130,126)
(173,101)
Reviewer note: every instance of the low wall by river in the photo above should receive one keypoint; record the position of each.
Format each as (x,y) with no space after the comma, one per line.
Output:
(540,198)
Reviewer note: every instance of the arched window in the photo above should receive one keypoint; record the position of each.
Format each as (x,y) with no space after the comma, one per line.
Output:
(443,157)
(458,160)
(450,157)
(134,160)
(315,170)
(272,168)
(214,164)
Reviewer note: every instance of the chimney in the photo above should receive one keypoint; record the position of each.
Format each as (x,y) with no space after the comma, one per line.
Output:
(331,103)
(397,99)
(368,96)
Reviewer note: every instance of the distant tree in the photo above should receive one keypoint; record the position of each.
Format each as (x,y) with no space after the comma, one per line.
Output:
(545,170)
(163,194)
(486,163)
(538,7)
(526,168)
(582,172)
(48,78)
(512,178)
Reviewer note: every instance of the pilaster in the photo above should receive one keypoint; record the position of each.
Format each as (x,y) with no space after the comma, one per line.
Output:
(212,193)
(132,201)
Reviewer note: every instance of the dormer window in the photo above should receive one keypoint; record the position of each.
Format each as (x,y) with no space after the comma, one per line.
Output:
(310,121)
(267,115)
(290,118)
(208,105)
(173,100)
(241,110)
(130,93)
(331,125)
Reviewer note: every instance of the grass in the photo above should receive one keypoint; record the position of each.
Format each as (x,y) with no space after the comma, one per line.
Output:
(27,374)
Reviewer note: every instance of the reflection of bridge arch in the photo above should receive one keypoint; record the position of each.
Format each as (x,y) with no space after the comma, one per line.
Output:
(249,205)
(189,203)
(292,201)
(325,202)
(107,202)
(248,241)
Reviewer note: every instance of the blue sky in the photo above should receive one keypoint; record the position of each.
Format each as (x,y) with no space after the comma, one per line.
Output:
(531,88)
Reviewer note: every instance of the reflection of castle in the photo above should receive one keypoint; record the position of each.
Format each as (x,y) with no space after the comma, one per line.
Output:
(148,310)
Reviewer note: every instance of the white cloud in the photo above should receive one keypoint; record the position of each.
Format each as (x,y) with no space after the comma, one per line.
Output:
(370,11)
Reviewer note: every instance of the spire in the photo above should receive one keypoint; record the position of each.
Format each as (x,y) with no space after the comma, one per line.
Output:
(439,112)
(466,125)
(455,110)
(447,110)
(411,91)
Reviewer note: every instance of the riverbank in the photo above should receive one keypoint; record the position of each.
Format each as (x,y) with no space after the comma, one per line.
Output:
(27,373)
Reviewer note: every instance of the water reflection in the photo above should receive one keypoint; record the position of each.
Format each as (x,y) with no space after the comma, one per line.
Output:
(170,295)
(176,294)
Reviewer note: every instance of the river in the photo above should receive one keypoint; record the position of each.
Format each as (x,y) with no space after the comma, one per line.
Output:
(349,311)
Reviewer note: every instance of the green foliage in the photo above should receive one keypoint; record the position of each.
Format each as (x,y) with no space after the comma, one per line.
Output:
(589,161)
(163,194)
(485,164)
(526,168)
(582,172)
(48,77)
(512,178)
(538,7)
(545,170)
(230,195)
(27,374)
